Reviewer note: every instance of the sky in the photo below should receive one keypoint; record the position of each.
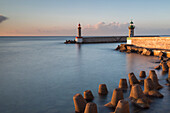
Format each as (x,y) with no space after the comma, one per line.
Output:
(97,17)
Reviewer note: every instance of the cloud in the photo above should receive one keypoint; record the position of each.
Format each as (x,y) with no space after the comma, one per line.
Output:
(2,18)
(101,28)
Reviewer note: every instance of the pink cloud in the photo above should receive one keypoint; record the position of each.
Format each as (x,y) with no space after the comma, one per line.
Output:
(101,28)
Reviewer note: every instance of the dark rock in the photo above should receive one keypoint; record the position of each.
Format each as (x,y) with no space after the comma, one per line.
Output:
(140,50)
(157,67)
(123,47)
(147,52)
(162,54)
(160,57)
(118,47)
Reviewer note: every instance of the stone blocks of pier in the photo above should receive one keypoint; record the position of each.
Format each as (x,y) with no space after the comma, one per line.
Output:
(123,84)
(116,96)
(122,107)
(154,78)
(90,108)
(88,95)
(102,89)
(142,74)
(132,79)
(138,98)
(150,90)
(79,103)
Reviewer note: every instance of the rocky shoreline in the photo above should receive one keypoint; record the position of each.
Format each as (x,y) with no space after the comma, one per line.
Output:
(143,51)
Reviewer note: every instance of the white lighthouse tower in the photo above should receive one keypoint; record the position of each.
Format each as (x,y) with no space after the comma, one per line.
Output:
(131,32)
(79,39)
(131,29)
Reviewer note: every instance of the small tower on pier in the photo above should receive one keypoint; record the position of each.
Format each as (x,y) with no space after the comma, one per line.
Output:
(79,39)
(131,29)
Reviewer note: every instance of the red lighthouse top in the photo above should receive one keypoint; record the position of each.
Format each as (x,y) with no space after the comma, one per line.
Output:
(79,25)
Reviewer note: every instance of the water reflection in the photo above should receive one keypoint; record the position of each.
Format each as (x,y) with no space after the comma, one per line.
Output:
(137,63)
(78,48)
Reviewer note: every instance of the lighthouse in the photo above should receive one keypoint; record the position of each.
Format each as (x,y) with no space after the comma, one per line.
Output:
(131,29)
(79,39)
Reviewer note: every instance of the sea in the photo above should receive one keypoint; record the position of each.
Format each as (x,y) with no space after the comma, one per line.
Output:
(41,74)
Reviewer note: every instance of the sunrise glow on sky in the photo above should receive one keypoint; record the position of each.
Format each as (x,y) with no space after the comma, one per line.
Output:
(97,17)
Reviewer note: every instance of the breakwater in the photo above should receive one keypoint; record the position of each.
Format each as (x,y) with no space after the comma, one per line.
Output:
(99,39)
(111,39)
(151,42)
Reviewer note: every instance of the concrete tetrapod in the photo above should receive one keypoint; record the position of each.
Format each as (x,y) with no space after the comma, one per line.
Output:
(90,108)
(123,84)
(88,95)
(102,89)
(149,89)
(79,103)
(142,74)
(154,78)
(138,98)
(116,96)
(122,107)
(132,79)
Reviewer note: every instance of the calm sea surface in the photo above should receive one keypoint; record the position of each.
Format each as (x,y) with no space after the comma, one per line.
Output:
(41,74)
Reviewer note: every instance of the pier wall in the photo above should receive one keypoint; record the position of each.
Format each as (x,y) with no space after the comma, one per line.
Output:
(152,42)
(104,39)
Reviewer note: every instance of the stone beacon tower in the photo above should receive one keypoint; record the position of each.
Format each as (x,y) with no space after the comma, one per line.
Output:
(79,39)
(131,29)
